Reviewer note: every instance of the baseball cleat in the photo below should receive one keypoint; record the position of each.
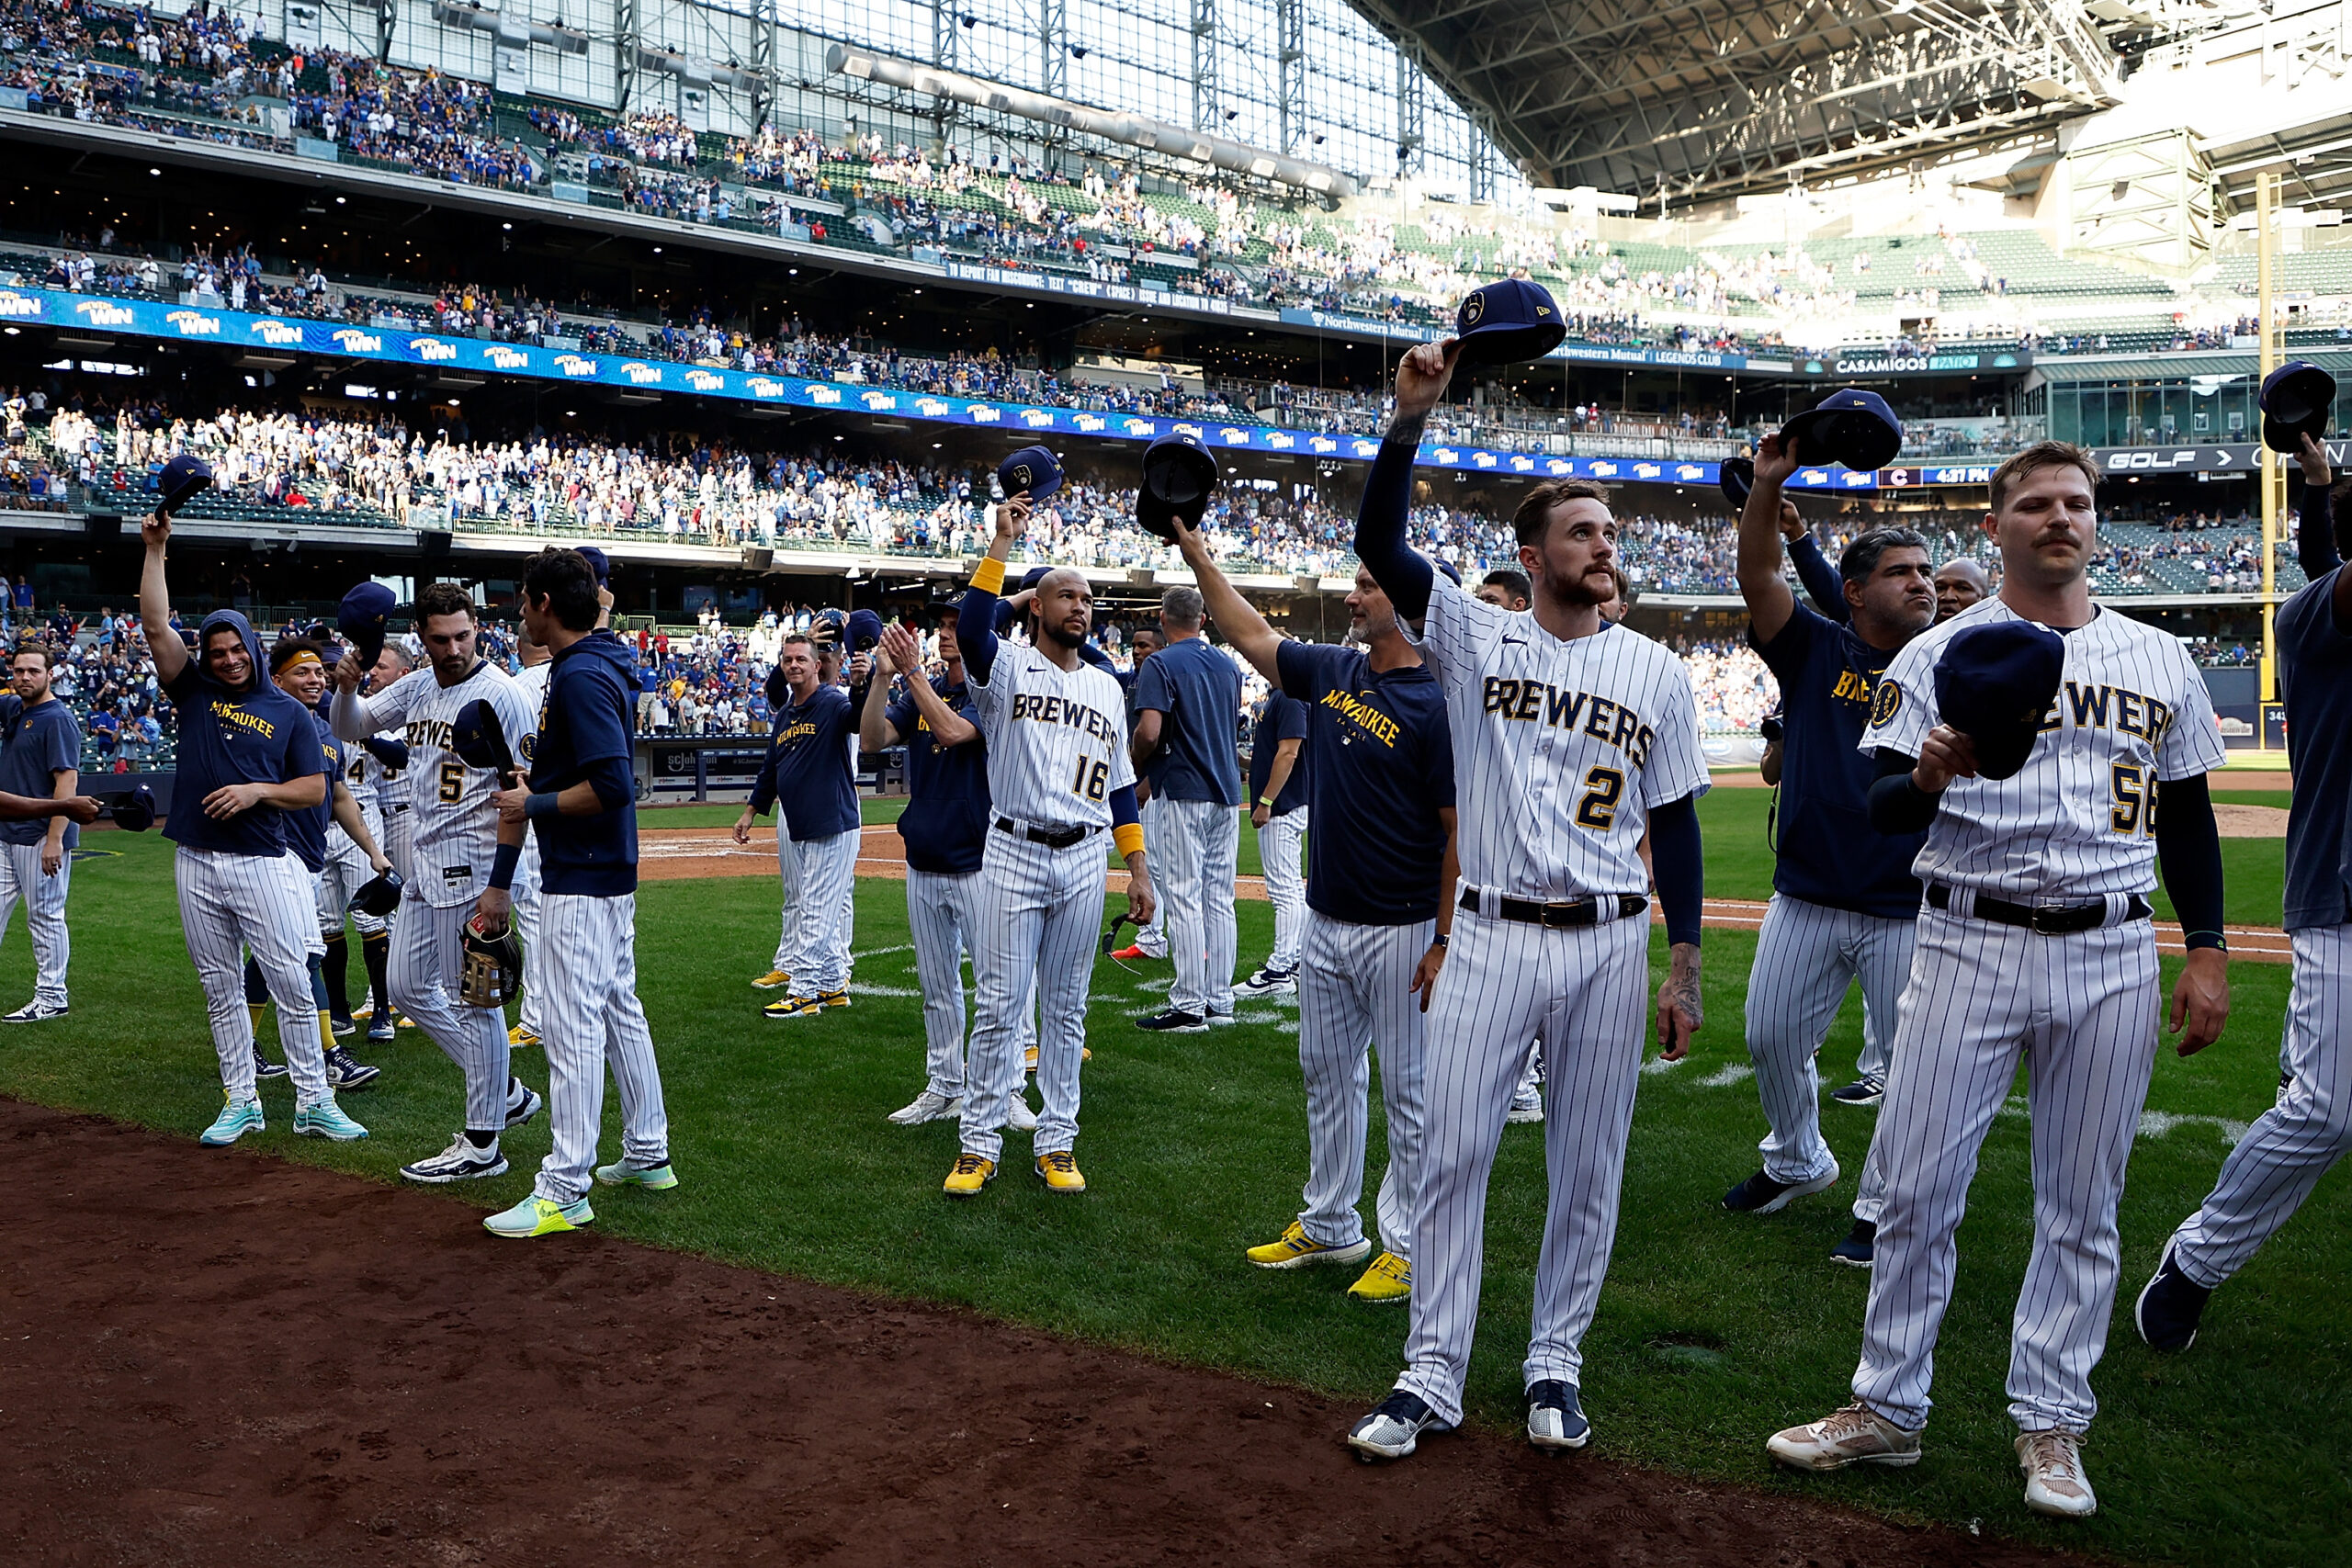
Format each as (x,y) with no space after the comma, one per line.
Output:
(36,1012)
(1219,1019)
(1555,1416)
(628,1173)
(1018,1116)
(1863,1091)
(1860,1249)
(341,1028)
(1759,1194)
(1388,1283)
(519,1111)
(1174,1022)
(790,1007)
(1395,1426)
(1296,1250)
(2169,1306)
(1854,1434)
(837,999)
(379,1031)
(1522,1114)
(929,1106)
(326,1120)
(461,1161)
(1269,982)
(237,1118)
(2054,1481)
(518,1037)
(346,1071)
(971,1174)
(773,980)
(265,1068)
(1136,952)
(1059,1171)
(536,1215)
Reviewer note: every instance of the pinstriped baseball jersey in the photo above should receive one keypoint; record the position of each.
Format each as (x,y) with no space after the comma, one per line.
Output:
(2079,819)
(1057,740)
(1560,749)
(455,832)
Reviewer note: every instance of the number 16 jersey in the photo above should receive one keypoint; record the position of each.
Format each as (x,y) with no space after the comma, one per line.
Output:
(1057,740)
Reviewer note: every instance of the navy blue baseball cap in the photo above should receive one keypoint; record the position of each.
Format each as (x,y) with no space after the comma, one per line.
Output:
(136,810)
(778,689)
(1439,563)
(827,628)
(1034,470)
(1852,427)
(1737,475)
(479,737)
(1179,472)
(1995,684)
(1502,323)
(2296,399)
(599,563)
(184,478)
(360,619)
(865,630)
(1034,576)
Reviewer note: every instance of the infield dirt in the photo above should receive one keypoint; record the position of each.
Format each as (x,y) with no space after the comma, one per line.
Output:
(217,1356)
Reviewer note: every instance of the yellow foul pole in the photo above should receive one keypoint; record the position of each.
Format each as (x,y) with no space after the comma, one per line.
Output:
(2271,473)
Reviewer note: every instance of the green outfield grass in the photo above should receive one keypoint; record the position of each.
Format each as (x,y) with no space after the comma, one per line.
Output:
(1713,1331)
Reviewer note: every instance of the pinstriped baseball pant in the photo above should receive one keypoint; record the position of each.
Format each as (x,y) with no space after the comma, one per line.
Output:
(1153,938)
(2080,1010)
(820,878)
(1279,842)
(1202,841)
(228,902)
(428,964)
(525,894)
(2295,1143)
(1354,994)
(44,897)
(587,961)
(1806,955)
(1037,914)
(1584,993)
(942,910)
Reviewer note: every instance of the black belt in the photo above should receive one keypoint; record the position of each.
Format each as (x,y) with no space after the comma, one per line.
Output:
(1052,838)
(1572,912)
(2049,919)
(403,806)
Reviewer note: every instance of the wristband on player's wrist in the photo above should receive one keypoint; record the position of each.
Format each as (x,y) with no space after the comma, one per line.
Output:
(546,802)
(502,866)
(2192,941)
(1442,938)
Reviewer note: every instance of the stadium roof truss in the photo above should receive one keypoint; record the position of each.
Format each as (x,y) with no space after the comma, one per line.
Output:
(1694,100)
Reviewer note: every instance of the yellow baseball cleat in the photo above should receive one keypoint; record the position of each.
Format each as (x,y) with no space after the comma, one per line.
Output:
(1386,1282)
(971,1174)
(774,979)
(829,999)
(790,1007)
(1059,1172)
(518,1037)
(1296,1250)
(535,1216)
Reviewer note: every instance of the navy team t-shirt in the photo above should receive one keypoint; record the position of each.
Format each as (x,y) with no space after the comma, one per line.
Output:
(945,824)
(1380,768)
(260,736)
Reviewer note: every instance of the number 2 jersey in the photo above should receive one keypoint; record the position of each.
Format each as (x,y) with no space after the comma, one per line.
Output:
(1560,749)
(455,831)
(2079,820)
(1057,740)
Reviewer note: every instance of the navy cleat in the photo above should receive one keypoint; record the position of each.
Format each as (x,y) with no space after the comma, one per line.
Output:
(2169,1306)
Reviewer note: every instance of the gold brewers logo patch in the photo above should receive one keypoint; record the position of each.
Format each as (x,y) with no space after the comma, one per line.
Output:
(1885,701)
(1021,476)
(1472,309)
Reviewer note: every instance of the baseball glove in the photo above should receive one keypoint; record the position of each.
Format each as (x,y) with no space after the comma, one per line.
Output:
(492,975)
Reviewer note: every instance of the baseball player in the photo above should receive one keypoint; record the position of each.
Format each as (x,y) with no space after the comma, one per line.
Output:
(532,681)
(41,755)
(1959,583)
(1059,775)
(1844,902)
(1380,765)
(579,801)
(810,776)
(248,757)
(1151,941)
(298,668)
(2281,1159)
(1187,698)
(1278,809)
(348,867)
(385,766)
(1571,736)
(944,828)
(2034,942)
(455,842)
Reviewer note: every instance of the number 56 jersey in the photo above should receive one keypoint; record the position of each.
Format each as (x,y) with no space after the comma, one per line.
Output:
(1057,740)
(1560,749)
(2079,820)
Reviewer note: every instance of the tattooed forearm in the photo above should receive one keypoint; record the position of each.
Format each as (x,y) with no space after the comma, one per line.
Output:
(1681,990)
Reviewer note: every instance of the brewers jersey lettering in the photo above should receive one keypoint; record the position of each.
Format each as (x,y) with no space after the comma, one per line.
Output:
(455,833)
(1057,740)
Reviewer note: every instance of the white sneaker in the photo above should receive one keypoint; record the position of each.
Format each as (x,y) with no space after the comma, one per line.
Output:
(1020,1118)
(1531,1112)
(36,1012)
(459,1162)
(1269,981)
(2054,1481)
(1855,1435)
(928,1105)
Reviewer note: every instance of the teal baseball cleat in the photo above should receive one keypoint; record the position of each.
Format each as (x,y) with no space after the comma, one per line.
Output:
(237,1118)
(626,1173)
(536,1215)
(326,1120)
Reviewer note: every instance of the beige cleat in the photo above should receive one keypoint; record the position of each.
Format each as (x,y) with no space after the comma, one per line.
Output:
(1855,1435)
(775,979)
(2054,1481)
